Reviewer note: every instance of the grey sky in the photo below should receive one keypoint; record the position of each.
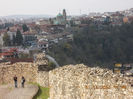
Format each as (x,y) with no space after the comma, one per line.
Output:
(52,7)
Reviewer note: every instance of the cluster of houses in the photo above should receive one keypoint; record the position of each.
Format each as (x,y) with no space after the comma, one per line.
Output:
(112,18)
(11,55)
(44,32)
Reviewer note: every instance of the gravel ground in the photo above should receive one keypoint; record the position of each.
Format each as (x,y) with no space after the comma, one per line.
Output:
(8,92)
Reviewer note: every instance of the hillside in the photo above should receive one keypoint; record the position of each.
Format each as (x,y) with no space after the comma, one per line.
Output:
(92,46)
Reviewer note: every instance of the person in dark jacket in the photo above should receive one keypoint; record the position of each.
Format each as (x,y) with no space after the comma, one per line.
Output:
(23,81)
(15,81)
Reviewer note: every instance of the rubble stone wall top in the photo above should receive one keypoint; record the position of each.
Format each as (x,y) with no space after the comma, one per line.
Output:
(82,82)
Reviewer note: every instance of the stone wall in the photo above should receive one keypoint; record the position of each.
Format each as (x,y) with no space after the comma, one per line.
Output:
(33,72)
(43,78)
(28,70)
(43,70)
(72,81)
(82,82)
(7,72)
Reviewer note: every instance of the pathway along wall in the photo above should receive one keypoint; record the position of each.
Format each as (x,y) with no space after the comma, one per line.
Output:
(82,82)
(7,72)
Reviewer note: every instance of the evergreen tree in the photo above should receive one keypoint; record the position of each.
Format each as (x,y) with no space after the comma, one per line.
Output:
(14,40)
(6,40)
(25,28)
(19,38)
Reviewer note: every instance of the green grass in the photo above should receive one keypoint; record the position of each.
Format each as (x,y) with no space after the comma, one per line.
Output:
(43,93)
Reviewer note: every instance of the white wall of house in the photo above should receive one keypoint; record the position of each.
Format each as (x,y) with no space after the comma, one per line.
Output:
(1,40)
(28,37)
(11,34)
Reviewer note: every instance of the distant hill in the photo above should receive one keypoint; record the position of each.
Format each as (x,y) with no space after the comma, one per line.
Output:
(27,16)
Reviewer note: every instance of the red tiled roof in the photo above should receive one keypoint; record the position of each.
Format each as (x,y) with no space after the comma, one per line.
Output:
(6,54)
(14,28)
(3,31)
(31,25)
(43,42)
(15,60)
(10,50)
(29,33)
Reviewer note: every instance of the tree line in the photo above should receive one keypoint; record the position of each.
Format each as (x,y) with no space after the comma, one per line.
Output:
(16,39)
(104,47)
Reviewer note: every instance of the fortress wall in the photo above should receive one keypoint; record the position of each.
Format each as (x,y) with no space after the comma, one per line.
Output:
(43,78)
(7,72)
(82,82)
(71,82)
(28,70)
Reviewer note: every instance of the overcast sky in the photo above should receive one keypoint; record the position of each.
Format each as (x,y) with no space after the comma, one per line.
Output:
(53,7)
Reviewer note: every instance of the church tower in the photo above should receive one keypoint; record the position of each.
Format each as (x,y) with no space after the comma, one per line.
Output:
(64,14)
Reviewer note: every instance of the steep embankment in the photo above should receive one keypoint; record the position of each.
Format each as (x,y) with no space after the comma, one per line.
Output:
(82,82)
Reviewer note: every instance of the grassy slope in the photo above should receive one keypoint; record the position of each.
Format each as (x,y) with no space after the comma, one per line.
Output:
(43,93)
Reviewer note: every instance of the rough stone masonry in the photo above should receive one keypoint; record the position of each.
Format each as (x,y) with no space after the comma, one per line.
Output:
(7,72)
(82,82)
(29,70)
(71,81)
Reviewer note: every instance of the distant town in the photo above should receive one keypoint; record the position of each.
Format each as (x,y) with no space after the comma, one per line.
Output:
(21,36)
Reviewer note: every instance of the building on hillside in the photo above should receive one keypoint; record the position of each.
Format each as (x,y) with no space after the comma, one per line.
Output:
(10,34)
(43,45)
(64,14)
(10,53)
(125,20)
(130,19)
(61,19)
(1,38)
(29,36)
(117,19)
(43,22)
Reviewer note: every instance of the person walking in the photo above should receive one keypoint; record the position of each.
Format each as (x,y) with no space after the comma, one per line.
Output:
(15,81)
(23,81)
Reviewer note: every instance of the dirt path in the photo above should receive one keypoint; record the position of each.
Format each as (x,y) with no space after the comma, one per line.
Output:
(4,90)
(7,92)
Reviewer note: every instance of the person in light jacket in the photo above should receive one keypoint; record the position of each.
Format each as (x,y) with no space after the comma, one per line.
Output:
(23,81)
